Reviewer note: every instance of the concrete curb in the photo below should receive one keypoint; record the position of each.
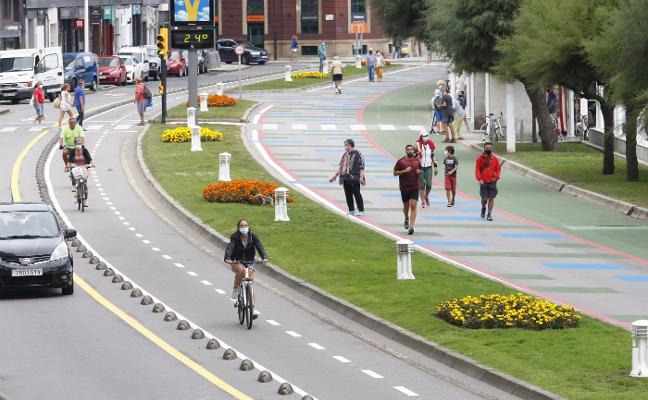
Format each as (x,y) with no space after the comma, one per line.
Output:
(621,206)
(454,360)
(4,110)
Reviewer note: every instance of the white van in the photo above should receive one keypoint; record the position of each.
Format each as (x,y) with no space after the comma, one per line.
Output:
(141,55)
(21,69)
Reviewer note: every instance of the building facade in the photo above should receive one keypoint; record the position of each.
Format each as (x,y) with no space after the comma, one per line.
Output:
(11,15)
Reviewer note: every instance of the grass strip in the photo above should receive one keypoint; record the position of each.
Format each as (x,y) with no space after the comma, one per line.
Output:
(580,165)
(349,261)
(217,113)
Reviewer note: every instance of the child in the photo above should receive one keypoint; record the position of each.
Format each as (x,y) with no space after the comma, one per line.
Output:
(451,164)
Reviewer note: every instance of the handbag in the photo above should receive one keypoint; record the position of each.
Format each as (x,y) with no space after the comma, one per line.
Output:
(149,102)
(57,102)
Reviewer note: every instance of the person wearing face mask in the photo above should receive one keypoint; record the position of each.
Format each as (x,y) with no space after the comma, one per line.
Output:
(371,64)
(487,172)
(408,169)
(451,164)
(38,100)
(351,171)
(425,154)
(241,250)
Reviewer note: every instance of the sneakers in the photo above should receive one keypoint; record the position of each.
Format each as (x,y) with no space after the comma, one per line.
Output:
(406,223)
(423,204)
(489,217)
(449,205)
(361,213)
(410,231)
(353,213)
(234,294)
(255,313)
(483,212)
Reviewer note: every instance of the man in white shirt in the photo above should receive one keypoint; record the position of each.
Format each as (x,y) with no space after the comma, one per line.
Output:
(425,148)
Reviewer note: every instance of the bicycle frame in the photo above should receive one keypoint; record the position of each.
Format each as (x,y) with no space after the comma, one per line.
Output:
(245,301)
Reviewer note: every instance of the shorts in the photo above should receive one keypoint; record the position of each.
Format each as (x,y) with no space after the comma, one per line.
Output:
(408,195)
(337,77)
(447,119)
(425,179)
(437,116)
(40,109)
(488,189)
(293,50)
(141,106)
(451,183)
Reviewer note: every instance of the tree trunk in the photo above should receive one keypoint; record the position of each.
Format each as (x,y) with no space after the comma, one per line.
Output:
(608,138)
(539,107)
(534,126)
(632,165)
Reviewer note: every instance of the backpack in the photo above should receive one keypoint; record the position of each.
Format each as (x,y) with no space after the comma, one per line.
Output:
(439,104)
(147,92)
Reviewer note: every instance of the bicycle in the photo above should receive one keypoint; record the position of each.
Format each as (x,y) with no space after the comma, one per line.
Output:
(78,175)
(493,130)
(245,300)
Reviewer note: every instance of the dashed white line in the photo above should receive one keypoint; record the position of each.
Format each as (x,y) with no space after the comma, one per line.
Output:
(166,257)
(178,265)
(328,127)
(342,359)
(358,128)
(219,291)
(192,273)
(206,283)
(293,333)
(372,374)
(121,218)
(117,213)
(155,248)
(272,322)
(271,127)
(139,235)
(145,241)
(298,127)
(131,229)
(113,208)
(316,346)
(387,127)
(406,391)
(416,127)
(126,223)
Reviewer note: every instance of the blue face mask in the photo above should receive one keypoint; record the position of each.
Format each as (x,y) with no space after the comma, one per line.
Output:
(244,230)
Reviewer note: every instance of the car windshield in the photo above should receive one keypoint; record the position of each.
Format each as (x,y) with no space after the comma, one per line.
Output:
(127,60)
(11,64)
(245,43)
(68,60)
(27,224)
(152,52)
(108,62)
(174,55)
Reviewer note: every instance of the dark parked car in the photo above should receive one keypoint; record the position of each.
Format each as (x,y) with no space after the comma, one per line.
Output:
(33,250)
(252,53)
(81,66)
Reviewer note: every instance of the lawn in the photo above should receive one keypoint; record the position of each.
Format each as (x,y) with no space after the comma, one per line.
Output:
(350,71)
(359,265)
(581,165)
(214,113)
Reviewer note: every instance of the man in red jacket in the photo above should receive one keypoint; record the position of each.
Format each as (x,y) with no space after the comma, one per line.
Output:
(487,172)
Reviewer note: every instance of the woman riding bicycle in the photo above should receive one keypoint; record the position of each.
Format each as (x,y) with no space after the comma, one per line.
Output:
(241,250)
(79,159)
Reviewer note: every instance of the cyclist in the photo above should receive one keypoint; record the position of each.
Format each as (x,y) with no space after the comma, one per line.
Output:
(79,159)
(72,135)
(241,250)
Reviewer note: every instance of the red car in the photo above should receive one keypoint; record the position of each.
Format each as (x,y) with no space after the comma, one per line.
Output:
(176,64)
(112,70)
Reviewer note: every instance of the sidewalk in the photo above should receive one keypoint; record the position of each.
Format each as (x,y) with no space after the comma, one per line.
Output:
(300,139)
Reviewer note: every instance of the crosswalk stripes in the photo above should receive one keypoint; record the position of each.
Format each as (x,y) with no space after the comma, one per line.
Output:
(271,127)
(328,127)
(359,127)
(8,129)
(93,127)
(122,127)
(387,127)
(36,129)
(417,127)
(299,127)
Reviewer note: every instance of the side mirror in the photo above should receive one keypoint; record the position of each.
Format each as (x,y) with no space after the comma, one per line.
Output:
(69,233)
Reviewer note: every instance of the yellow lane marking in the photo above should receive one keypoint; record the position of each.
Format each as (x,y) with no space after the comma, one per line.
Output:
(15,172)
(200,370)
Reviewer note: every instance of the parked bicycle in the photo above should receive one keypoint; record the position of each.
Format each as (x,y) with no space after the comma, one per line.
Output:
(582,127)
(493,130)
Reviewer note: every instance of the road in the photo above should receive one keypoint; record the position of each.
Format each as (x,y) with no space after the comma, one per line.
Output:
(105,335)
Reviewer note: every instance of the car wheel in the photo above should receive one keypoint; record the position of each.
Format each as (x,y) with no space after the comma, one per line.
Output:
(228,62)
(261,62)
(51,97)
(68,290)
(14,101)
(95,85)
(245,60)
(146,79)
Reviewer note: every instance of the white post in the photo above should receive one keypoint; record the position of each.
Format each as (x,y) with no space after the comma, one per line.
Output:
(487,94)
(288,73)
(220,88)
(325,67)
(195,138)
(86,27)
(224,167)
(453,84)
(404,259)
(510,117)
(571,131)
(281,204)
(191,117)
(639,349)
(358,61)
(203,102)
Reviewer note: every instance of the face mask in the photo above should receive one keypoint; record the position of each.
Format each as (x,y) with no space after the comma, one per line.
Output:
(488,152)
(425,139)
(445,152)
(244,230)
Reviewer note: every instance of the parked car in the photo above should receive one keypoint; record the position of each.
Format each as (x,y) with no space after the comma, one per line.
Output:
(133,68)
(155,69)
(202,65)
(33,250)
(252,53)
(176,63)
(81,66)
(141,54)
(112,70)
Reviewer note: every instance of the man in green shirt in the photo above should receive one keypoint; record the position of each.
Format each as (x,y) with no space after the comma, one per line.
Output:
(69,137)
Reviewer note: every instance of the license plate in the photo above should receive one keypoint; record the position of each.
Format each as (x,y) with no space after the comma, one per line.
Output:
(27,272)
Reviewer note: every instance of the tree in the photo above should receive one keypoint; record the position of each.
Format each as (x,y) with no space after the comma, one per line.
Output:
(402,18)
(621,52)
(549,46)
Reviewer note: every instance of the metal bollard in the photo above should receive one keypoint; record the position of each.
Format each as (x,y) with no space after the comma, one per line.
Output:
(203,102)
(639,349)
(224,167)
(404,259)
(195,138)
(288,74)
(358,61)
(220,88)
(281,204)
(191,117)
(325,67)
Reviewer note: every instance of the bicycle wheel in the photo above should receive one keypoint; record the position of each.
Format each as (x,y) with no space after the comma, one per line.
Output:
(498,133)
(249,306)
(241,304)
(81,195)
(79,198)
(483,133)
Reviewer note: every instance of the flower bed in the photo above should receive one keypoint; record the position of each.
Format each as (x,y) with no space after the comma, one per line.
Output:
(245,191)
(308,75)
(214,100)
(183,134)
(515,310)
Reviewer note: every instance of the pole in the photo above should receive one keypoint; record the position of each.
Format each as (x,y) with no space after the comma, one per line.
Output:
(86,26)
(510,117)
(274,29)
(239,79)
(193,80)
(163,80)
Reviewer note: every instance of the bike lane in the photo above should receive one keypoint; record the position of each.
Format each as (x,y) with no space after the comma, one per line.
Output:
(541,241)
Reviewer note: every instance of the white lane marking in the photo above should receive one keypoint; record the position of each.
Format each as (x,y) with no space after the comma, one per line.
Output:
(178,265)
(35,129)
(98,185)
(358,127)
(417,128)
(126,223)
(8,129)
(387,127)
(328,127)
(272,322)
(299,127)
(372,374)
(406,391)
(219,291)
(192,273)
(293,333)
(27,119)
(94,127)
(117,213)
(155,249)
(113,208)
(257,117)
(166,257)
(270,127)
(139,235)
(121,218)
(206,283)
(605,227)
(132,229)
(342,359)
(316,346)
(122,127)
(145,241)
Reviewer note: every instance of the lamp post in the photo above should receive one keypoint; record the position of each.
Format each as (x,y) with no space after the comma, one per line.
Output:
(86,26)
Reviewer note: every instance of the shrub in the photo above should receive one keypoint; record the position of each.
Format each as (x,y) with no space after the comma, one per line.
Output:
(515,310)
(244,191)
(309,75)
(183,134)
(214,100)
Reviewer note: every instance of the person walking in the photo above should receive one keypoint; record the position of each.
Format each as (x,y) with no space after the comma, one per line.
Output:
(38,101)
(408,169)
(451,164)
(337,69)
(140,99)
(351,173)
(437,103)
(66,103)
(487,172)
(80,101)
(425,148)
(380,65)
(321,52)
(447,117)
(294,48)
(459,114)
(371,64)
(461,97)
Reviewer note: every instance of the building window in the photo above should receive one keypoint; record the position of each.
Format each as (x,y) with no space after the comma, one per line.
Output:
(255,7)
(358,10)
(309,16)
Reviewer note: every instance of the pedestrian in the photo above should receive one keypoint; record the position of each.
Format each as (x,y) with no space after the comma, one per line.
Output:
(140,99)
(447,117)
(408,169)
(294,48)
(337,70)
(461,97)
(71,136)
(459,114)
(437,102)
(66,103)
(451,164)
(351,173)
(552,104)
(321,52)
(380,65)
(80,101)
(371,64)
(425,152)
(38,101)
(487,172)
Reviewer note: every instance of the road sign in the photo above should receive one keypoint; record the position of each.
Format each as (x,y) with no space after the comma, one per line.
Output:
(239,50)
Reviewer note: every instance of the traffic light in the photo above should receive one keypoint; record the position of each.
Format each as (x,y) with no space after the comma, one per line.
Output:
(162,40)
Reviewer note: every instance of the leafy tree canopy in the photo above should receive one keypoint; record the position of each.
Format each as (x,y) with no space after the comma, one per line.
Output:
(402,18)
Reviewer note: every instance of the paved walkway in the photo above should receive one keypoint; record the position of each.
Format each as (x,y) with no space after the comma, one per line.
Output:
(301,136)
